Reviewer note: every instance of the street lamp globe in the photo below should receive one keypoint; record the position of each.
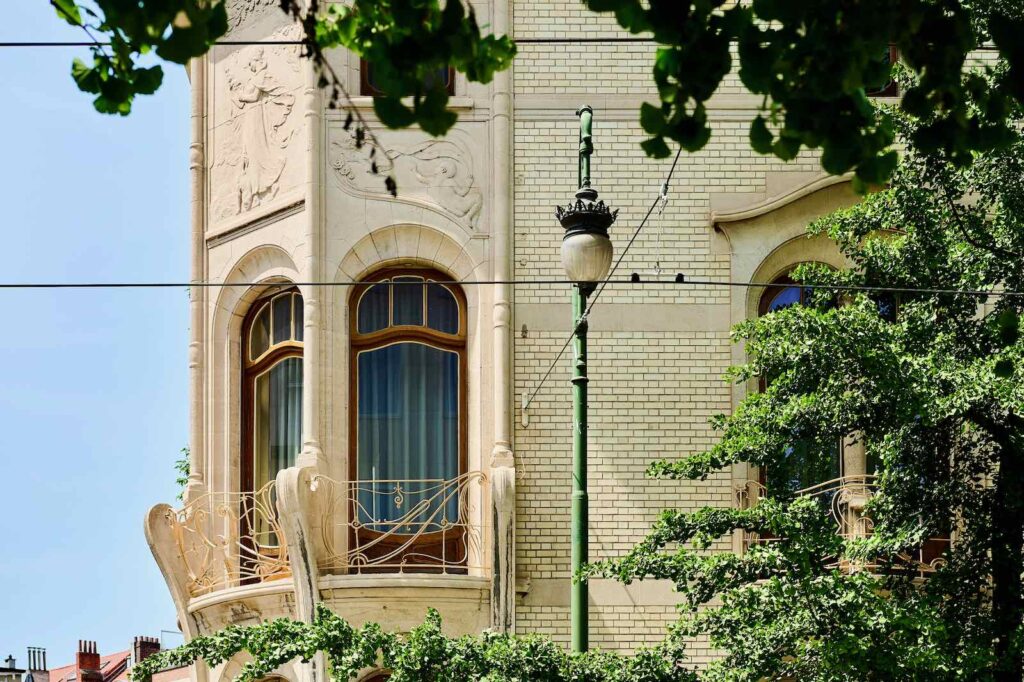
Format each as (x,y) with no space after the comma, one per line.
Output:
(586,256)
(586,248)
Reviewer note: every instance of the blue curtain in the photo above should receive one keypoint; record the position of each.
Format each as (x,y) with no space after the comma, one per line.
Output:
(408,431)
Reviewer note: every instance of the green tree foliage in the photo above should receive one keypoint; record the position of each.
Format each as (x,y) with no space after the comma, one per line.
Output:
(425,655)
(812,63)
(935,392)
(182,467)
(175,30)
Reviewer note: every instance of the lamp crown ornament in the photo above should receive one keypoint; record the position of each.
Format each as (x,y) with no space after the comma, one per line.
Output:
(586,248)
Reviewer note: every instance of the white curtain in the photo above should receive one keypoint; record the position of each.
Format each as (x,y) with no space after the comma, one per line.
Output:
(278,433)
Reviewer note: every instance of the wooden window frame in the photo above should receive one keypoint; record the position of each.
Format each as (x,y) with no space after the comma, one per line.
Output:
(360,342)
(892,88)
(767,296)
(366,88)
(251,369)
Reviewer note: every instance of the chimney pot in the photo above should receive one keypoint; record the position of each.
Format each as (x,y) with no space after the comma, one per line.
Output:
(143,647)
(87,662)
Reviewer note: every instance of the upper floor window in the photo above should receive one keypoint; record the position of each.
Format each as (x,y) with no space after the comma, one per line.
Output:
(370,87)
(891,88)
(408,336)
(272,387)
(801,467)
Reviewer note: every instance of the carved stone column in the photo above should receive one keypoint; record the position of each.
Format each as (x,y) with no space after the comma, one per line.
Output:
(502,473)
(294,506)
(197,294)
(312,453)
(296,503)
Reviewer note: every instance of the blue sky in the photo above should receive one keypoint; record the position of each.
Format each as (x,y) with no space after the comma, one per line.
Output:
(93,384)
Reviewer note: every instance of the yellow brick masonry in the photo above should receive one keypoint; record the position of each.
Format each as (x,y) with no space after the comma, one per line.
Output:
(651,391)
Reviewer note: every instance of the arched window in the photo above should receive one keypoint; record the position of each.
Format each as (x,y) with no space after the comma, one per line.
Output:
(272,387)
(408,393)
(800,469)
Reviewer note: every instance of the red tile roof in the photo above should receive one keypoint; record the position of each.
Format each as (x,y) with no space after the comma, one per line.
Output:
(113,666)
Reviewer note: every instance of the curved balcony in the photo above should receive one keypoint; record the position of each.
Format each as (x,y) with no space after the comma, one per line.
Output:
(845,498)
(429,526)
(229,539)
(360,546)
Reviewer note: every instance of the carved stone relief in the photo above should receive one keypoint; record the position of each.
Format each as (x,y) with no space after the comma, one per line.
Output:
(438,173)
(240,614)
(257,85)
(240,11)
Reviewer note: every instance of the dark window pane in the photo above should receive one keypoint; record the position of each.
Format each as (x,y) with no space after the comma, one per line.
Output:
(801,468)
(373,309)
(408,295)
(259,334)
(282,318)
(370,84)
(408,430)
(888,306)
(297,315)
(442,309)
(784,297)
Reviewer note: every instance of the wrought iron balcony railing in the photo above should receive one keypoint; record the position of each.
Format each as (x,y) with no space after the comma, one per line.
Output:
(222,540)
(229,539)
(845,499)
(402,526)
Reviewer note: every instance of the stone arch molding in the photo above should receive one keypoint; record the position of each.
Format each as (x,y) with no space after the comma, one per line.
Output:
(788,255)
(405,243)
(261,266)
(770,236)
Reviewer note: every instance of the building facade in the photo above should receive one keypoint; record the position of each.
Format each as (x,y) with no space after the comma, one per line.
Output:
(357,431)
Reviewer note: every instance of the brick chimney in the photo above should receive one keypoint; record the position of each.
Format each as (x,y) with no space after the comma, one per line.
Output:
(87,662)
(144,647)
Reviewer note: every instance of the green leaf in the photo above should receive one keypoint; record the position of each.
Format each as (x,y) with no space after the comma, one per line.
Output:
(1004,368)
(147,81)
(878,169)
(1008,323)
(760,137)
(68,11)
(392,112)
(652,119)
(656,148)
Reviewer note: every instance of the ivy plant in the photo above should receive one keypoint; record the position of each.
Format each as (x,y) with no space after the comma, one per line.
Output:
(426,654)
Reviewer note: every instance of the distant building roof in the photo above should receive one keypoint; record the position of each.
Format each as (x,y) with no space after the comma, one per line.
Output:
(113,666)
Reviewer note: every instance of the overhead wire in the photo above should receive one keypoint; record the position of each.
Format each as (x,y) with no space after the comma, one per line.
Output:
(632,281)
(597,294)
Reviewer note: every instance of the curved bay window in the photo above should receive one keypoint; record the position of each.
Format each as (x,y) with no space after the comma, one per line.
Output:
(801,468)
(408,444)
(272,388)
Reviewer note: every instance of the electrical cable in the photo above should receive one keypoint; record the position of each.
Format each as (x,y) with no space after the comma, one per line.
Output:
(680,279)
(518,41)
(586,313)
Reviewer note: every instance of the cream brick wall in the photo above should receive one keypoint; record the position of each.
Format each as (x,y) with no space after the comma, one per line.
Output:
(657,353)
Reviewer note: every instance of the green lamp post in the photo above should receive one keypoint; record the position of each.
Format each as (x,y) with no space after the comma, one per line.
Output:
(586,257)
